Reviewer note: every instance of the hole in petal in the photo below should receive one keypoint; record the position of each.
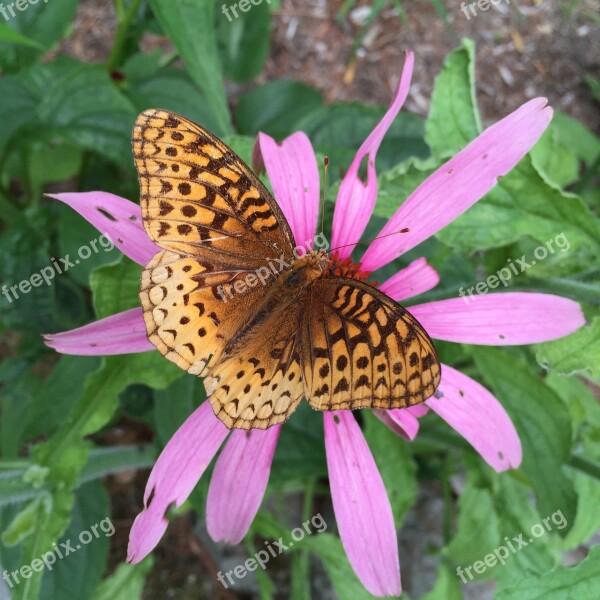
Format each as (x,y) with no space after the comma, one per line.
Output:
(462,394)
(438,394)
(150,498)
(502,337)
(106,213)
(133,218)
(363,172)
(336,419)
(500,456)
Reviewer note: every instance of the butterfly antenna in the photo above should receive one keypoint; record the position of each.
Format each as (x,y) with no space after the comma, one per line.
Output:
(379,237)
(325,169)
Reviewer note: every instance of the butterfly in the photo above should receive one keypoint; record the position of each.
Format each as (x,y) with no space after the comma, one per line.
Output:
(305,331)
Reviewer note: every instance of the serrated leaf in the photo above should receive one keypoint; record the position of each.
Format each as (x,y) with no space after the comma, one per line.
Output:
(524,204)
(453,119)
(576,353)
(580,581)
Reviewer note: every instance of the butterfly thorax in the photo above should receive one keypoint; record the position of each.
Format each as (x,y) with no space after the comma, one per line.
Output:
(294,280)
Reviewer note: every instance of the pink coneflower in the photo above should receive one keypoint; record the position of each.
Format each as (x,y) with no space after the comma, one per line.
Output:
(362,509)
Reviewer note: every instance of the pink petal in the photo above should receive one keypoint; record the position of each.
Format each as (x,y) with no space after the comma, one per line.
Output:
(356,200)
(117,218)
(474,412)
(400,421)
(419,410)
(238,483)
(123,333)
(294,174)
(419,277)
(500,319)
(459,183)
(361,506)
(174,476)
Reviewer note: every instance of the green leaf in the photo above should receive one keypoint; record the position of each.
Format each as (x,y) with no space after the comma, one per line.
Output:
(149,86)
(395,463)
(74,233)
(517,514)
(477,529)
(276,107)
(24,524)
(329,549)
(447,586)
(543,424)
(191,27)
(59,394)
(116,287)
(82,103)
(244,41)
(100,399)
(126,583)
(453,119)
(14,489)
(562,147)
(78,574)
(51,520)
(174,404)
(576,353)
(107,461)
(339,129)
(17,106)
(580,581)
(41,24)
(300,451)
(524,204)
(10,35)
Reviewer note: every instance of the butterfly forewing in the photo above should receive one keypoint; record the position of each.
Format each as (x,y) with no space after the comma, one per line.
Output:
(363,349)
(199,198)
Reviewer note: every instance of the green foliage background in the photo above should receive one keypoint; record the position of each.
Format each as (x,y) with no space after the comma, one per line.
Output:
(64,120)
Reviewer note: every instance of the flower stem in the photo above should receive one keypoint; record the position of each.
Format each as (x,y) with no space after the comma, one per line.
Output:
(585,465)
(116,54)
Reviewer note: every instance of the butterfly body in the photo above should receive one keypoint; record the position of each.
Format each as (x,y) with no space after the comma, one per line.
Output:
(263,337)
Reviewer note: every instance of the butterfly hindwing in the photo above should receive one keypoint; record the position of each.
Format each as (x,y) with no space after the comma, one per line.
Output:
(259,381)
(362,349)
(189,315)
